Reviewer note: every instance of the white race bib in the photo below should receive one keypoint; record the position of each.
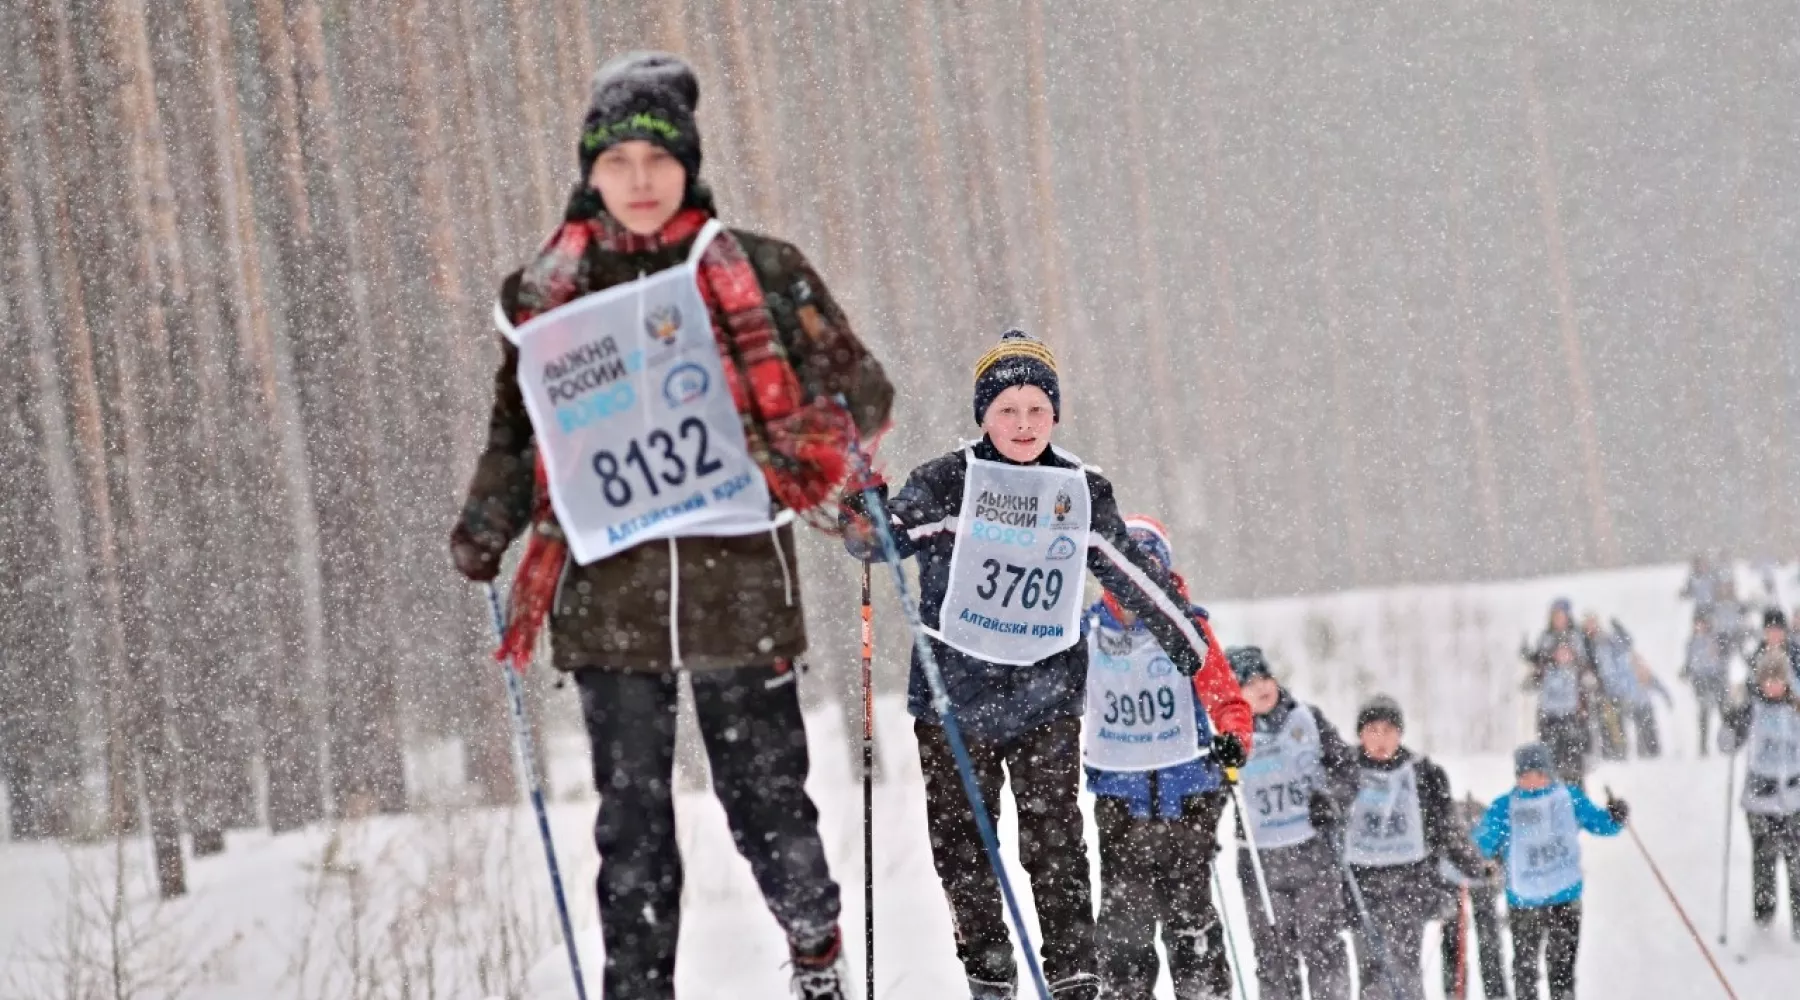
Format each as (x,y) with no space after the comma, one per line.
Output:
(1543,857)
(1386,824)
(1560,692)
(1016,576)
(634,418)
(1279,780)
(1772,781)
(1140,710)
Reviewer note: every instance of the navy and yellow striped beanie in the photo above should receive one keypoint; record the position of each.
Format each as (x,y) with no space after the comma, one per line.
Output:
(1019,359)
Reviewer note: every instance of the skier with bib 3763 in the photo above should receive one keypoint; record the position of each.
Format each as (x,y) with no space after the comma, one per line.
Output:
(1402,826)
(1295,785)
(1764,722)
(1158,795)
(1006,531)
(1535,832)
(664,403)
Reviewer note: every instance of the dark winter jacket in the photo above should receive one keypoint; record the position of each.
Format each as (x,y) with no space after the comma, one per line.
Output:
(1542,659)
(1447,840)
(997,702)
(739,598)
(1216,699)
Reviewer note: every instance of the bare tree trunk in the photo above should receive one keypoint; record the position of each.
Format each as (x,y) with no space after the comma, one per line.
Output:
(1580,392)
(1052,311)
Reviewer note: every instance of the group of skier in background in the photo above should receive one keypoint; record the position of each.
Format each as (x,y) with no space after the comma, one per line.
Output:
(673,393)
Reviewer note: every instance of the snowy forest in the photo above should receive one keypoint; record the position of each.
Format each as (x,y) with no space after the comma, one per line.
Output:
(1348,295)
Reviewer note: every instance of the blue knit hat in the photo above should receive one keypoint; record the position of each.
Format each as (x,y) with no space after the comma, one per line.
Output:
(1532,757)
(1153,538)
(1019,359)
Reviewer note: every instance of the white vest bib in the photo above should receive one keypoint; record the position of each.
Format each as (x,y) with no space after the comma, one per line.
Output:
(1386,825)
(1772,785)
(1279,780)
(1016,575)
(634,418)
(1140,710)
(1543,857)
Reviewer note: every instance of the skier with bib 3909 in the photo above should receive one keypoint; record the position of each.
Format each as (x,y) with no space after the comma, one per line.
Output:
(1006,531)
(1534,831)
(1158,795)
(662,405)
(1295,786)
(1401,829)
(1764,722)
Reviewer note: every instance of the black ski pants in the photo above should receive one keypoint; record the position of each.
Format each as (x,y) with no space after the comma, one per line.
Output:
(1485,921)
(1043,767)
(1401,900)
(1567,738)
(756,742)
(1306,891)
(1160,871)
(1774,841)
(1556,932)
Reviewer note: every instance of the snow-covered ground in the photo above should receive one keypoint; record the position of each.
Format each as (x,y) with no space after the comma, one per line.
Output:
(462,893)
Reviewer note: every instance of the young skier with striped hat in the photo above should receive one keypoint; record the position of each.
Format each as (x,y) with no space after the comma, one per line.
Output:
(1295,784)
(1006,531)
(1158,796)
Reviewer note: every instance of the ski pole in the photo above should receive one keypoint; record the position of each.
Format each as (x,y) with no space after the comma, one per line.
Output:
(1237,968)
(515,697)
(1462,943)
(1693,931)
(868,776)
(940,703)
(1725,873)
(1256,866)
(1368,923)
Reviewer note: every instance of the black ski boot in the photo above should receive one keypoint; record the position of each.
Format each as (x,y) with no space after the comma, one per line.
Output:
(820,970)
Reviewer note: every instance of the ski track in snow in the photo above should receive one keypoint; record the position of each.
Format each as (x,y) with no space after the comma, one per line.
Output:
(1634,944)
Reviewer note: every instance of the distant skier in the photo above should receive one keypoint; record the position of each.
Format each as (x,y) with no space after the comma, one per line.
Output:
(1709,584)
(683,410)
(1401,828)
(1563,677)
(1775,636)
(1708,669)
(1625,694)
(1295,787)
(1005,531)
(1764,721)
(1158,795)
(1534,831)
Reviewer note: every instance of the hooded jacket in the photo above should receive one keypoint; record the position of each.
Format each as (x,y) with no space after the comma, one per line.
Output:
(701,603)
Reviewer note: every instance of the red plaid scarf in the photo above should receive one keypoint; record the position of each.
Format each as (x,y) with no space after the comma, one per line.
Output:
(803,450)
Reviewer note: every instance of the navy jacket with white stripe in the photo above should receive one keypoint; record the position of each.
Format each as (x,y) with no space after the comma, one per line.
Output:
(998,702)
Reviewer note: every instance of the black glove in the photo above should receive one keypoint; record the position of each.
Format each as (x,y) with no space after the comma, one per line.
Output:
(1228,751)
(1618,810)
(1323,811)
(854,503)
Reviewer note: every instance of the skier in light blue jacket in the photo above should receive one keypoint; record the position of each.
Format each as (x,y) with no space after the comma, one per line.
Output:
(1535,832)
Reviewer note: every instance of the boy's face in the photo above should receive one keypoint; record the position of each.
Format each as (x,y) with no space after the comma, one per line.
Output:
(1380,740)
(1262,693)
(1019,421)
(641,183)
(1534,781)
(1774,688)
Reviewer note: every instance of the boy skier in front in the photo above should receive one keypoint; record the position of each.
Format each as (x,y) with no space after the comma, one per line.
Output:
(1005,531)
(1764,720)
(1158,797)
(1534,831)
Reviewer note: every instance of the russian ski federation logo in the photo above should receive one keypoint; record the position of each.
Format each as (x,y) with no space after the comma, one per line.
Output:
(684,384)
(663,325)
(1062,548)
